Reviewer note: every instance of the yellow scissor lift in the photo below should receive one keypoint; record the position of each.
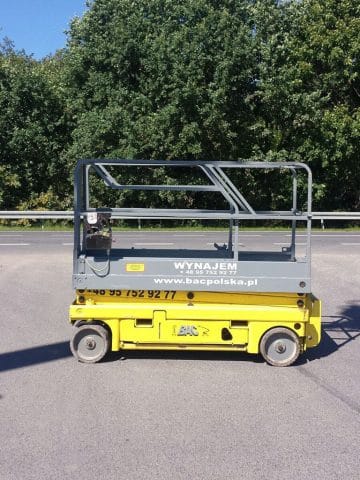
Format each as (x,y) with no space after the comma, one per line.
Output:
(130,298)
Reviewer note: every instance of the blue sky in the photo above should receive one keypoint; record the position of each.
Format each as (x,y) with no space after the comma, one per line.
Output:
(37,26)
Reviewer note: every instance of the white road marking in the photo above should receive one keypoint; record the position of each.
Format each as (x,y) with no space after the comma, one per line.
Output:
(243,235)
(350,243)
(62,236)
(212,243)
(326,235)
(148,244)
(336,235)
(13,244)
(68,243)
(8,236)
(288,244)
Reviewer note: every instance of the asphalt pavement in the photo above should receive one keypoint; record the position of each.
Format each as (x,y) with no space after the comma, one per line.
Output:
(248,240)
(174,415)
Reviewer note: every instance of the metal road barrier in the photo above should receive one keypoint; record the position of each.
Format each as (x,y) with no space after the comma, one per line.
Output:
(37,214)
(69,215)
(322,216)
(336,215)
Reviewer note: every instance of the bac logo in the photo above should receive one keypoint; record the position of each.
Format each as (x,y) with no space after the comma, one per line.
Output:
(185,330)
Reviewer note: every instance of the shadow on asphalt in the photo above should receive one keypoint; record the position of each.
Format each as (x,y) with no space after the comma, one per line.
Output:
(183,355)
(337,332)
(34,356)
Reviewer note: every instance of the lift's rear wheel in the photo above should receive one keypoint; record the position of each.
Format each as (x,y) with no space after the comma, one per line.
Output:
(280,347)
(90,343)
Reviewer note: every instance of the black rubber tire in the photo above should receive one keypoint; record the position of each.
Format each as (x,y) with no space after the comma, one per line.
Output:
(278,338)
(90,343)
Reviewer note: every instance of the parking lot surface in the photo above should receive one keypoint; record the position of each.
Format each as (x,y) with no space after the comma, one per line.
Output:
(173,415)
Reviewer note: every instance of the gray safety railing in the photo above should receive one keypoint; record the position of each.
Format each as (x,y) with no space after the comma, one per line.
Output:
(99,263)
(69,215)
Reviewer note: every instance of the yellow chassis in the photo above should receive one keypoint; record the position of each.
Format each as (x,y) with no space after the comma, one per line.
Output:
(168,320)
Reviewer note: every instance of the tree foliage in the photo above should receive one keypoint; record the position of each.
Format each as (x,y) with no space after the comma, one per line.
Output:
(163,79)
(309,92)
(31,130)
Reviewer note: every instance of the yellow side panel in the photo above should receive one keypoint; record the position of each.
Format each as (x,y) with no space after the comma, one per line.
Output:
(190,312)
(171,296)
(182,332)
(129,332)
(313,327)
(115,333)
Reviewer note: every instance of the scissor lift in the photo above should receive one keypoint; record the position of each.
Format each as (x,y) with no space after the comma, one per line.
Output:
(220,298)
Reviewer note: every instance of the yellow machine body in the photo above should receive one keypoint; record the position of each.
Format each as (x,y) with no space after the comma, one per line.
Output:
(170,320)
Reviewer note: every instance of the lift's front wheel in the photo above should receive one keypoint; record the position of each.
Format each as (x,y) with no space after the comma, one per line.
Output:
(280,347)
(90,343)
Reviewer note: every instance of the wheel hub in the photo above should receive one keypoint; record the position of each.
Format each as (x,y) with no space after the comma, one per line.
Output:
(90,343)
(280,347)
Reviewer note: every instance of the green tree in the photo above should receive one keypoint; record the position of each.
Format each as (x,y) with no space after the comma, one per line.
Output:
(308,95)
(31,131)
(162,79)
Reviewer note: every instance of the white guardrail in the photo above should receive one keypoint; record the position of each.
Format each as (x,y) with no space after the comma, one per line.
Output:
(69,215)
(37,214)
